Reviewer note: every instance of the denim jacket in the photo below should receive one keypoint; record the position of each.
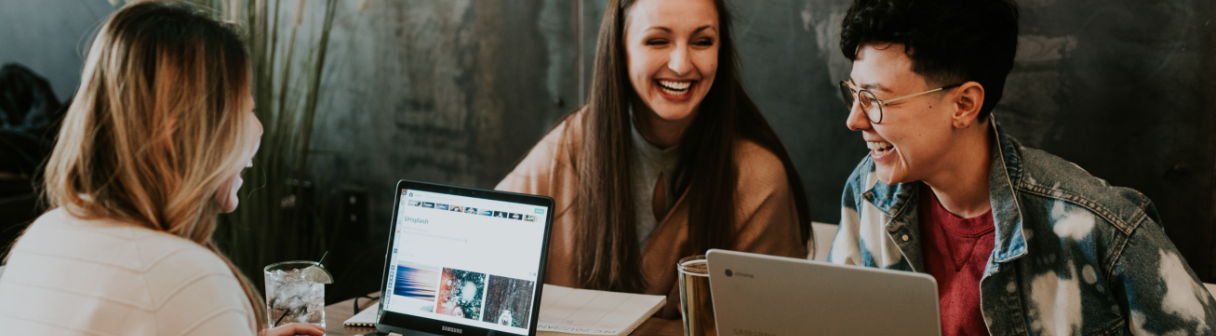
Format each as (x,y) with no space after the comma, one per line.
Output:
(1073,255)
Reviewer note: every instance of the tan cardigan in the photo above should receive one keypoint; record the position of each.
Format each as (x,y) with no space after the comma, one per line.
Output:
(766,218)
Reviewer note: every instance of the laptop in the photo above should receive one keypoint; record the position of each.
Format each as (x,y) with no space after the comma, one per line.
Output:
(464,261)
(757,294)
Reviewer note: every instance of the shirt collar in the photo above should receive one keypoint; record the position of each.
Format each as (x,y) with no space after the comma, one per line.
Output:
(1005,170)
(647,150)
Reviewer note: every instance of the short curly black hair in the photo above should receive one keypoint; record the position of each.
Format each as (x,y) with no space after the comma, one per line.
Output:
(949,41)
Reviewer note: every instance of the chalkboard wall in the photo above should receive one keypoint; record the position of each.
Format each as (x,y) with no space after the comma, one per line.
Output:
(457,91)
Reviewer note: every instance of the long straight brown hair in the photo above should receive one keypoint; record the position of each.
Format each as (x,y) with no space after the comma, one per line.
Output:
(609,257)
(157,127)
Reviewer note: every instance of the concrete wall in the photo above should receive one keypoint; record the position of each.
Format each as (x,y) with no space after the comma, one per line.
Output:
(51,37)
(457,91)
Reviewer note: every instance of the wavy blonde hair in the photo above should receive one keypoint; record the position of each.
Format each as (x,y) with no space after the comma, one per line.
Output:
(157,126)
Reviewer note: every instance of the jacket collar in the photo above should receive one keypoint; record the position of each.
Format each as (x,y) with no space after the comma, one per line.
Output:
(1005,170)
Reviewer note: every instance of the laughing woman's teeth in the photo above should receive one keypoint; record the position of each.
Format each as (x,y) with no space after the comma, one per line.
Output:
(880,148)
(674,88)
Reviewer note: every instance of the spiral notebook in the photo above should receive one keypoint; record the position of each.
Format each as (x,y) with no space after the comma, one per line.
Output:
(364,319)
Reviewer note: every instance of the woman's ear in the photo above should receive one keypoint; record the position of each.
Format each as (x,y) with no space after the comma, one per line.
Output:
(970,100)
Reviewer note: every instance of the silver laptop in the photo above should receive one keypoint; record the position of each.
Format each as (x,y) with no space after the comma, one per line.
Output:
(757,294)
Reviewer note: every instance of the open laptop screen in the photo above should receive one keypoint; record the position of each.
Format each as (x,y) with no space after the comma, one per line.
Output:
(466,260)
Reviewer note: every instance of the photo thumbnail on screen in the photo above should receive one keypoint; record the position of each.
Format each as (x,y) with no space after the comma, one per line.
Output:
(418,284)
(460,293)
(509,301)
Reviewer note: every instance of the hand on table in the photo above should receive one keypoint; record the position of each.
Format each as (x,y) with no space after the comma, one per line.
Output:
(292,329)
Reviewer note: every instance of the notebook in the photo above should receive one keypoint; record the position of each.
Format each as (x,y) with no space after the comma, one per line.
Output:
(364,319)
(565,310)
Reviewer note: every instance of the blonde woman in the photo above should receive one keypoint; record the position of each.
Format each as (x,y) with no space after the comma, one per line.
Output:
(150,153)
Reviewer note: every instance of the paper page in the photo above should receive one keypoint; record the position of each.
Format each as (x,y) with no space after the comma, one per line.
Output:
(591,312)
(364,318)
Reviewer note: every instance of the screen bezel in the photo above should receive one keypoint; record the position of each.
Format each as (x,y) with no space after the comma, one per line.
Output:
(388,321)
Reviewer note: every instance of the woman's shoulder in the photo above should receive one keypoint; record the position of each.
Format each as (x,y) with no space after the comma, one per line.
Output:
(555,151)
(567,133)
(759,167)
(60,233)
(118,257)
(130,270)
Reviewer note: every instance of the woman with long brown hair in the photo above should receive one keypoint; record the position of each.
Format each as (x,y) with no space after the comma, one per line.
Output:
(669,157)
(150,152)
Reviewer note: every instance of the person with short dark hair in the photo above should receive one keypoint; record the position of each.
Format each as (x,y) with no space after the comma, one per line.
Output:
(1020,241)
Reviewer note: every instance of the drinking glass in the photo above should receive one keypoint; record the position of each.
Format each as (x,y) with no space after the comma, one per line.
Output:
(696,307)
(292,298)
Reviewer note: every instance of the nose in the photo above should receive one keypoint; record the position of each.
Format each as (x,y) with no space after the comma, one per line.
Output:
(857,120)
(679,62)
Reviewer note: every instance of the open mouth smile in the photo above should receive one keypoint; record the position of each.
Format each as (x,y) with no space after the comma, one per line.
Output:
(675,90)
(879,149)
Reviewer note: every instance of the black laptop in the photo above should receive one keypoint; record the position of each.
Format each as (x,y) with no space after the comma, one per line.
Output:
(464,261)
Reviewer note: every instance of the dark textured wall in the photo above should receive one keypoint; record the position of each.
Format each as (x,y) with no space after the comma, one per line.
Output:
(457,91)
(50,37)
(442,91)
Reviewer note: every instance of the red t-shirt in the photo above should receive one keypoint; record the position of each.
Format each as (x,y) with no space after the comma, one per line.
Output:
(955,252)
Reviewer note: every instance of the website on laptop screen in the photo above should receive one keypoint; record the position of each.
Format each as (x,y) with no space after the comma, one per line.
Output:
(466,260)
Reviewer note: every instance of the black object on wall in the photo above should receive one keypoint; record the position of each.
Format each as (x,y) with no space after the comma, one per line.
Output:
(29,114)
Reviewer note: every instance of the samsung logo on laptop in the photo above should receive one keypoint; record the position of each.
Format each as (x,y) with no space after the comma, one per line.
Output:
(453,330)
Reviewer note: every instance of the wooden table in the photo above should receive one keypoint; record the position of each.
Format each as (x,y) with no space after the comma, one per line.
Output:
(337,313)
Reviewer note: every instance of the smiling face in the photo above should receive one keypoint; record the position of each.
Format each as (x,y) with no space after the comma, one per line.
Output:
(672,51)
(914,134)
(226,196)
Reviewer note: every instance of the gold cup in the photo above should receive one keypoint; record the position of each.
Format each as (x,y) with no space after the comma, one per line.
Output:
(696,306)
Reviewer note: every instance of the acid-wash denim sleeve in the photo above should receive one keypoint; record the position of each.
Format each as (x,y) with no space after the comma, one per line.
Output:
(1160,294)
(846,246)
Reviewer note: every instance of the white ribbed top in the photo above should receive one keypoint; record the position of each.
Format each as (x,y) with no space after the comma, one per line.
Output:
(68,276)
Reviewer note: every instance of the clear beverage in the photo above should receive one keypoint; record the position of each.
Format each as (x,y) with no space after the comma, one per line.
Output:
(291,298)
(696,307)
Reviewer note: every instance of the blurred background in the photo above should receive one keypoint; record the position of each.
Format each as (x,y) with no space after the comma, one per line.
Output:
(457,91)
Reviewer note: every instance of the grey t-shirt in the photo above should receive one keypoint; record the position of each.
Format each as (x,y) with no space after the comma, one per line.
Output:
(646,165)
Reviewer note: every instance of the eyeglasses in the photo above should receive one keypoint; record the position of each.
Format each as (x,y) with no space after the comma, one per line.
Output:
(871,105)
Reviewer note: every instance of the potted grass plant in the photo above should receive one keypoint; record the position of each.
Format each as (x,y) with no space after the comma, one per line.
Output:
(278,219)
